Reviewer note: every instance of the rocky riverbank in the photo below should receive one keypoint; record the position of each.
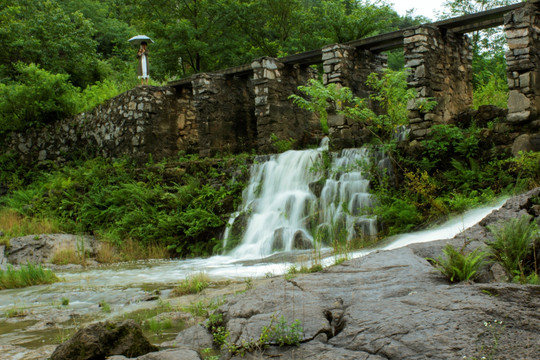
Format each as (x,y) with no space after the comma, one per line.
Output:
(386,305)
(394,305)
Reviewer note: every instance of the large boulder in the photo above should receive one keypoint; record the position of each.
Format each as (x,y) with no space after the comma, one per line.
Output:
(100,340)
(39,249)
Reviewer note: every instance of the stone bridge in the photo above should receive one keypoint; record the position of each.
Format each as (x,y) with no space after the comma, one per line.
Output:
(238,109)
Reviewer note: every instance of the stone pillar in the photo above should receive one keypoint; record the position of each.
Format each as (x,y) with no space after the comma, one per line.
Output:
(440,64)
(224,110)
(349,67)
(338,64)
(273,83)
(521,28)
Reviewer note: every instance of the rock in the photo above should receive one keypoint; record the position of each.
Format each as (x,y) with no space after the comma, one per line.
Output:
(278,243)
(316,187)
(39,249)
(169,354)
(195,337)
(387,305)
(481,116)
(99,340)
(3,260)
(301,241)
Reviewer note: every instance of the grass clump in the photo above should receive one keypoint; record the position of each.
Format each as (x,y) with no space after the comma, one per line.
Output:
(458,266)
(192,284)
(515,247)
(13,224)
(26,275)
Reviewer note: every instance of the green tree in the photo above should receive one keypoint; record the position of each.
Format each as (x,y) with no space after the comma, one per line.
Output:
(41,32)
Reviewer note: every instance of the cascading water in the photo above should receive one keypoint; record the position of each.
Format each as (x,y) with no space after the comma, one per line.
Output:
(284,207)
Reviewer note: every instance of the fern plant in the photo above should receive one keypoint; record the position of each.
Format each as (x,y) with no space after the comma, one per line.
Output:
(514,246)
(458,266)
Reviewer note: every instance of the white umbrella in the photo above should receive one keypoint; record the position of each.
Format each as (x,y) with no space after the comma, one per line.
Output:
(137,40)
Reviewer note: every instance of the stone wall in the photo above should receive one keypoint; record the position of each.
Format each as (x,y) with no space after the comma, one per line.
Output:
(521,29)
(225,114)
(137,123)
(273,83)
(440,64)
(346,66)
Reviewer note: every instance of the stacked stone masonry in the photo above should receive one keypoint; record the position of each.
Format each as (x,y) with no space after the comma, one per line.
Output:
(522,28)
(225,114)
(348,67)
(146,120)
(440,65)
(273,83)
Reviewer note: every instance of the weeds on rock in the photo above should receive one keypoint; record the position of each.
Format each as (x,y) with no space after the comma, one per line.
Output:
(192,284)
(488,349)
(15,312)
(458,266)
(26,275)
(277,333)
(157,326)
(204,308)
(515,247)
(105,306)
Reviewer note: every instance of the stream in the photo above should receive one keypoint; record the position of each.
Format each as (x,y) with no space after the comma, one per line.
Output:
(126,287)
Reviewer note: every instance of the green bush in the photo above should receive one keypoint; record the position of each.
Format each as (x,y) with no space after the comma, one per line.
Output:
(37,98)
(458,266)
(492,92)
(514,246)
(119,200)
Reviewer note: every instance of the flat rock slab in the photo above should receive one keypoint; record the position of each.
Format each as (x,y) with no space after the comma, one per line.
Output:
(392,305)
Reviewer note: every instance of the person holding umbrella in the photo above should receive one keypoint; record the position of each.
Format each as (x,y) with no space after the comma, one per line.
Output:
(142,57)
(142,68)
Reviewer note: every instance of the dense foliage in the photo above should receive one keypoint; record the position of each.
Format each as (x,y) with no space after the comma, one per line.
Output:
(182,205)
(452,169)
(60,58)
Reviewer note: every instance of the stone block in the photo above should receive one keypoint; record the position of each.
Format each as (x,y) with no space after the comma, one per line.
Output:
(518,117)
(420,71)
(336,120)
(518,43)
(518,102)
(415,39)
(419,134)
(414,63)
(522,143)
(515,33)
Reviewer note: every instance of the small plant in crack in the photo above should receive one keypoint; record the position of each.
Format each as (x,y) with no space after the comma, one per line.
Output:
(277,333)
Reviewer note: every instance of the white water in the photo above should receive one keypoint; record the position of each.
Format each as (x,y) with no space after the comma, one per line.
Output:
(283,213)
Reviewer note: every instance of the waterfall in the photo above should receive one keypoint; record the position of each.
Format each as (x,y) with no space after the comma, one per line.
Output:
(298,197)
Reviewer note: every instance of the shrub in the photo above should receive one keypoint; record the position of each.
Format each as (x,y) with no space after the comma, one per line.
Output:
(492,92)
(458,266)
(514,246)
(37,98)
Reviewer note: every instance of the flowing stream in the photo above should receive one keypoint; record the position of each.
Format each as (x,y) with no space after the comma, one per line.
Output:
(293,201)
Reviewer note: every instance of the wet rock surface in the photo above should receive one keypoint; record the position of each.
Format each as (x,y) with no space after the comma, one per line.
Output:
(393,305)
(99,340)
